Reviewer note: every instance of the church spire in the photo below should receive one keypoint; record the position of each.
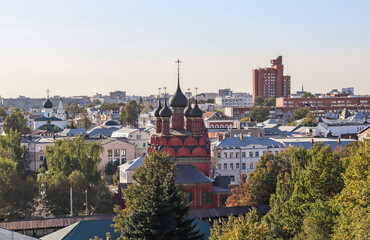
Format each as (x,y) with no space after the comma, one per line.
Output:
(178,99)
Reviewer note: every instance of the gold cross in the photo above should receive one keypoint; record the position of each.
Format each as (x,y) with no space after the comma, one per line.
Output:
(48,92)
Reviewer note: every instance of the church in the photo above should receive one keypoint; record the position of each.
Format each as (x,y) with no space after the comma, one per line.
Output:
(180,132)
(50,121)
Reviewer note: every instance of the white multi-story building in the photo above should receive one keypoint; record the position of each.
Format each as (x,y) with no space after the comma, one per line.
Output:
(135,136)
(238,156)
(234,101)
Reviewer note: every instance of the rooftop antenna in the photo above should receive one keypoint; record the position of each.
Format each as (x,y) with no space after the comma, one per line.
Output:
(196,93)
(178,71)
(48,92)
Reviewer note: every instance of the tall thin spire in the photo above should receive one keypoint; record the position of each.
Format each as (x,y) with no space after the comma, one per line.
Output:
(48,92)
(178,72)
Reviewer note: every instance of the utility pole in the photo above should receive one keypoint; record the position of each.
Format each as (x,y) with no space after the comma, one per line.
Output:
(70,194)
(87,209)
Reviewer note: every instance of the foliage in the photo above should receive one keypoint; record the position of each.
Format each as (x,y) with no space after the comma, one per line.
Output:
(259,113)
(307,95)
(94,103)
(86,123)
(270,102)
(219,111)
(240,196)
(111,167)
(130,113)
(310,120)
(10,148)
(73,162)
(353,202)
(74,108)
(259,101)
(2,112)
(155,205)
(111,106)
(300,113)
(210,100)
(16,121)
(241,228)
(16,194)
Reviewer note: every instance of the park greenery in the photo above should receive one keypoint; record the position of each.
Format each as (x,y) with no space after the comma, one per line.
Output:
(155,205)
(16,121)
(130,113)
(313,194)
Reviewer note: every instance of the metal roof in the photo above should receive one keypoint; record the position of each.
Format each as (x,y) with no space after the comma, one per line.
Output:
(230,142)
(188,174)
(10,235)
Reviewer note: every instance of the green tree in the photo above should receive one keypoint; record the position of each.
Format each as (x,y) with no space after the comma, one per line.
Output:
(2,112)
(86,123)
(300,113)
(74,162)
(310,120)
(111,106)
(155,205)
(353,201)
(259,113)
(130,113)
(271,102)
(307,95)
(219,111)
(16,194)
(16,121)
(259,101)
(241,228)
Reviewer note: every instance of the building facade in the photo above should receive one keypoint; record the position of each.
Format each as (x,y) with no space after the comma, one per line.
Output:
(271,82)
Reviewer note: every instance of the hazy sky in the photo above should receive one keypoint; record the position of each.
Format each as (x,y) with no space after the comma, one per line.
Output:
(82,47)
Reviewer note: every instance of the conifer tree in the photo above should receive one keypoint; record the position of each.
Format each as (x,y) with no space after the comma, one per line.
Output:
(155,204)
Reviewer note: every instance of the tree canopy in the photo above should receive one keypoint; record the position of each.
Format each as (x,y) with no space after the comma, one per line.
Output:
(308,95)
(130,113)
(16,121)
(259,113)
(156,207)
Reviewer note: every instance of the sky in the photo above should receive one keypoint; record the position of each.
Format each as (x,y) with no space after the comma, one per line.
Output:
(87,47)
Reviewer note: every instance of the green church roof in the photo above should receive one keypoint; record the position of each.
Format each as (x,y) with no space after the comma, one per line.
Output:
(48,104)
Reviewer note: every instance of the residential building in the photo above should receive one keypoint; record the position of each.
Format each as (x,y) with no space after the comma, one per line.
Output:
(364,134)
(271,82)
(217,120)
(135,136)
(225,92)
(234,101)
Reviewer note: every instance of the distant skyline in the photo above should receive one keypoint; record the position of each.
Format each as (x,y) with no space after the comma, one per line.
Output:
(84,47)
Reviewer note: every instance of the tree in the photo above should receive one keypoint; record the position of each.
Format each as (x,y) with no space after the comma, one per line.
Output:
(241,228)
(307,95)
(300,113)
(259,101)
(156,206)
(16,194)
(130,113)
(86,123)
(271,102)
(353,221)
(73,162)
(3,112)
(310,120)
(219,111)
(240,196)
(16,121)
(259,113)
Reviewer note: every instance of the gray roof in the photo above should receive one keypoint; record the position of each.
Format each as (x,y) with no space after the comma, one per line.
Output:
(72,132)
(220,189)
(11,235)
(235,142)
(131,165)
(107,132)
(187,174)
(306,142)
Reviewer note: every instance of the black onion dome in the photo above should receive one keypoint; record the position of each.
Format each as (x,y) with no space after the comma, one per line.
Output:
(178,99)
(166,111)
(188,109)
(158,109)
(48,104)
(196,112)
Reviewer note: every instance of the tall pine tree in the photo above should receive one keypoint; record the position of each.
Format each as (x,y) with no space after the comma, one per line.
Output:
(156,207)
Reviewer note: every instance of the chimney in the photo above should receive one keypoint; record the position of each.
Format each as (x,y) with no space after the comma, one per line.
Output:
(312,141)
(220,137)
(260,135)
(241,137)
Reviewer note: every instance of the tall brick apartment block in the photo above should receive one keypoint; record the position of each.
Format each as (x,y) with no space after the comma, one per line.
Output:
(271,82)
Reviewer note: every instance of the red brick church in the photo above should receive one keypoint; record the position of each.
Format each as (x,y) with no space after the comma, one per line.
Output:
(180,132)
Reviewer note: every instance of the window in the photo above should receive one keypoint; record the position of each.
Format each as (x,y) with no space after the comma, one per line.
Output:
(41,158)
(190,197)
(144,144)
(250,154)
(237,166)
(243,166)
(231,155)
(219,155)
(219,166)
(243,154)
(225,155)
(232,178)
(251,166)
(116,152)
(123,152)
(231,166)
(237,155)
(110,153)
(225,166)
(257,154)
(206,197)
